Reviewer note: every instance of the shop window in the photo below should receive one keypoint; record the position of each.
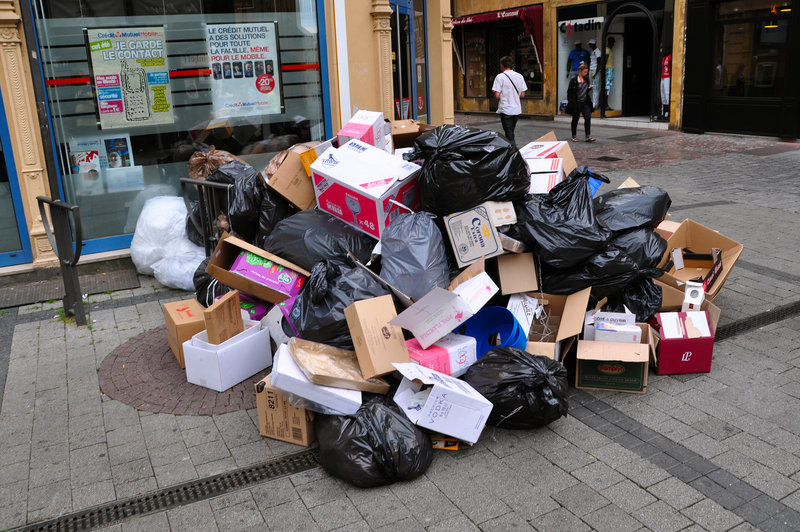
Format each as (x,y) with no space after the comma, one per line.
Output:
(241,75)
(750,48)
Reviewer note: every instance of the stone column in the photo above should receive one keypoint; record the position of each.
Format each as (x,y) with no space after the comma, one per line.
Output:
(23,125)
(382,31)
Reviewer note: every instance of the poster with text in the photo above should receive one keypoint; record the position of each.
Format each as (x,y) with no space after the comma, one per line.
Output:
(130,76)
(245,76)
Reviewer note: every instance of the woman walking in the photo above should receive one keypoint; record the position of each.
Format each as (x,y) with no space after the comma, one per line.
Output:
(579,102)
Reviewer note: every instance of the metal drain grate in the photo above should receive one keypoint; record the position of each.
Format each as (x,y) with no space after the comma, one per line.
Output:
(759,320)
(189,492)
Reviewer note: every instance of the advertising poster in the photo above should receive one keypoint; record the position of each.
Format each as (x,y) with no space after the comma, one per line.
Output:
(101,165)
(245,76)
(130,76)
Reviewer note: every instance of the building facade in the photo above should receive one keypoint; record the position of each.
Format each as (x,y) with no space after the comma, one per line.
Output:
(104,101)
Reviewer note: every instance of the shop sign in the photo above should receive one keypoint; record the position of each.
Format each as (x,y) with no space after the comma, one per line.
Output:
(245,67)
(487,17)
(568,27)
(131,77)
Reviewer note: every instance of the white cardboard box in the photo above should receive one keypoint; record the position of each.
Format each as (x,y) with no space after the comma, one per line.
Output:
(440,311)
(545,174)
(289,379)
(541,149)
(362,186)
(592,318)
(472,235)
(224,365)
(451,406)
(452,355)
(366,126)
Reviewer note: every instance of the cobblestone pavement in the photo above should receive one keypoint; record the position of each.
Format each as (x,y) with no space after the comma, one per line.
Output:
(716,451)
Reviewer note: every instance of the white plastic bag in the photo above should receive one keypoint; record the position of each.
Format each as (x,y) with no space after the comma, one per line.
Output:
(176,270)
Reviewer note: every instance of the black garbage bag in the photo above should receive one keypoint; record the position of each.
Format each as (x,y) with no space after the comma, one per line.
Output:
(626,208)
(310,236)
(244,208)
(206,288)
(274,208)
(318,312)
(527,391)
(643,245)
(463,167)
(642,297)
(606,272)
(560,226)
(378,445)
(192,233)
(413,255)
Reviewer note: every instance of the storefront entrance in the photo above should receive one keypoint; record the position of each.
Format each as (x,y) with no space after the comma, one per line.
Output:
(14,243)
(409,60)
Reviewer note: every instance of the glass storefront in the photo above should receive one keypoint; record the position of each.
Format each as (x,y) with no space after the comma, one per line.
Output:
(135,88)
(14,243)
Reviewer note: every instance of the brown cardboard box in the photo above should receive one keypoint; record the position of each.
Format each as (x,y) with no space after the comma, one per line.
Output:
(226,252)
(615,366)
(291,180)
(184,319)
(279,420)
(517,273)
(404,132)
(224,318)
(378,343)
(570,311)
(698,238)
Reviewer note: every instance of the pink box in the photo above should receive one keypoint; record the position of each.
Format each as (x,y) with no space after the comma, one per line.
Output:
(451,355)
(265,272)
(679,351)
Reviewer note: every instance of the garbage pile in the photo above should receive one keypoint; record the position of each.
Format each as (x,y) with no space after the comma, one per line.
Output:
(406,297)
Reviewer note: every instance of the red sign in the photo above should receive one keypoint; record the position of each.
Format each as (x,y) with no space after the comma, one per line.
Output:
(265,83)
(420,103)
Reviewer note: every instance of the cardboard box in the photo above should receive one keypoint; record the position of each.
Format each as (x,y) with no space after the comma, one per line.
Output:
(311,155)
(594,317)
(362,186)
(562,151)
(517,273)
(378,344)
(452,355)
(289,380)
(268,273)
(699,239)
(472,235)
(279,420)
(545,174)
(404,132)
(672,301)
(292,181)
(223,318)
(667,228)
(184,319)
(222,366)
(228,248)
(500,212)
(609,332)
(570,312)
(366,126)
(451,406)
(686,342)
(614,366)
(440,311)
(331,366)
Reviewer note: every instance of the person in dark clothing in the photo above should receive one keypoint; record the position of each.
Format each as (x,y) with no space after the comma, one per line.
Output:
(579,102)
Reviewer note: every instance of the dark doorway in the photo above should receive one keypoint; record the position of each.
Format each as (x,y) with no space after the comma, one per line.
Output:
(637,67)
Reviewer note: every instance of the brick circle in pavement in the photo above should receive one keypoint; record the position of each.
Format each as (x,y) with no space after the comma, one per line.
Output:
(143,373)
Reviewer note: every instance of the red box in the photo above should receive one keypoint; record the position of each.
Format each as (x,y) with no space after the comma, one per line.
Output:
(684,354)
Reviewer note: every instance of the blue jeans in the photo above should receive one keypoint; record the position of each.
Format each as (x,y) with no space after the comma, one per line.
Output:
(585,109)
(509,122)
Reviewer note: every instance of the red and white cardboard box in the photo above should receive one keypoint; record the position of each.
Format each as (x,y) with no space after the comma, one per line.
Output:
(687,342)
(452,355)
(541,149)
(366,126)
(365,186)
(545,174)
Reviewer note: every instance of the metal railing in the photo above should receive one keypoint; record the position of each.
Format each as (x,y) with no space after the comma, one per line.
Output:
(214,199)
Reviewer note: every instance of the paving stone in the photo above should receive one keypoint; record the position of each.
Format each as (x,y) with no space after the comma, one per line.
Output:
(432,509)
(510,521)
(335,514)
(239,516)
(643,473)
(378,507)
(675,493)
(771,482)
(711,515)
(48,501)
(660,517)
(560,520)
(215,468)
(458,522)
(598,476)
(409,524)
(174,473)
(93,494)
(289,516)
(14,515)
(627,495)
(251,453)
(613,519)
(580,499)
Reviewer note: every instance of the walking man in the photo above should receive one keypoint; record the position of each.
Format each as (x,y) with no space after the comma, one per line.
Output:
(508,87)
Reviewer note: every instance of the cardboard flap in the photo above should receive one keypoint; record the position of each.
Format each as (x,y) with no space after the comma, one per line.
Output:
(238,242)
(517,273)
(474,269)
(629,183)
(550,136)
(613,351)
(573,316)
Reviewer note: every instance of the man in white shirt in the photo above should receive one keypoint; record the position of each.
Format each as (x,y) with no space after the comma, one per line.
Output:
(508,87)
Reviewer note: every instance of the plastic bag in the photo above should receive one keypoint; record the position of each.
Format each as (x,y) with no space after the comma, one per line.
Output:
(318,312)
(643,245)
(626,208)
(377,446)
(202,163)
(149,192)
(594,179)
(642,297)
(243,211)
(206,288)
(605,272)
(161,222)
(413,255)
(526,391)
(560,226)
(192,233)
(178,266)
(273,209)
(463,167)
(312,235)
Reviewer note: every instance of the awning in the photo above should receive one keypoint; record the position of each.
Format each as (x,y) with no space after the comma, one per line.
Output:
(531,17)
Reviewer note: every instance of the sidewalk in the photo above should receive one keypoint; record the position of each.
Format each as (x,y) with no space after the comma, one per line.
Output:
(717,451)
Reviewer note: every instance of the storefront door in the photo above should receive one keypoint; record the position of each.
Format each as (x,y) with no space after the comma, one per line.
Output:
(14,243)
(409,60)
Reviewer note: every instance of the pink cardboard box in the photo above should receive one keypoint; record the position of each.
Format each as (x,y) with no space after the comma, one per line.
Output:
(452,355)
(268,273)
